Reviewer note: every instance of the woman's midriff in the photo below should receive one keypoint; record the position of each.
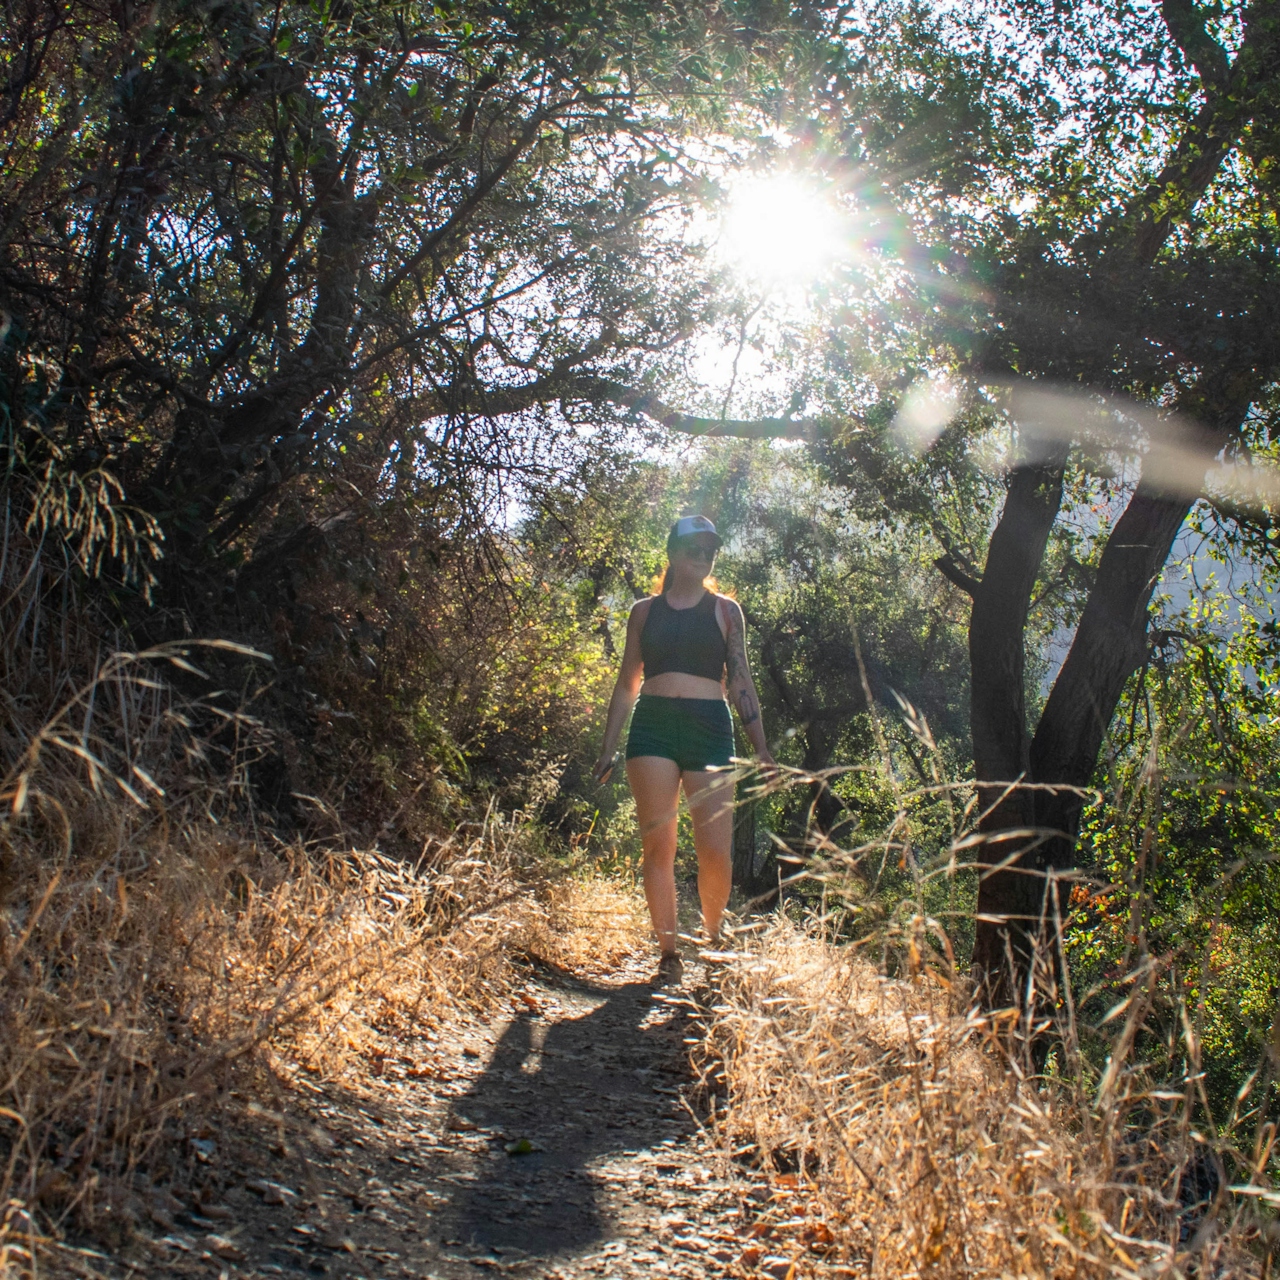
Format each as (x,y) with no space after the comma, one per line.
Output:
(679,684)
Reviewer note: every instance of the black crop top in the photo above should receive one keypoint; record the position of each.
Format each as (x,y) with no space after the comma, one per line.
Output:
(688,640)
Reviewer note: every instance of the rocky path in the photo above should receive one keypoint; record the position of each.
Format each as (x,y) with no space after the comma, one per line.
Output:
(559,1141)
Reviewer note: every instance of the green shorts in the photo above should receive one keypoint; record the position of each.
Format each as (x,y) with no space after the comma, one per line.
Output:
(697,733)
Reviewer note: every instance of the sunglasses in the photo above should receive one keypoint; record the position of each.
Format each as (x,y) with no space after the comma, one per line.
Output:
(697,552)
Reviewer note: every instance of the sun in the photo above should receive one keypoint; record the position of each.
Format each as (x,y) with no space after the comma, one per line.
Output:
(781,230)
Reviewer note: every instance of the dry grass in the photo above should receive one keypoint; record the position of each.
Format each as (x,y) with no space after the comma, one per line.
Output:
(905,1139)
(147,995)
(162,959)
(590,922)
(138,992)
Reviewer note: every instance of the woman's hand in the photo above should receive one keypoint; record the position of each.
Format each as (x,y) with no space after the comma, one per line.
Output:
(767,765)
(603,768)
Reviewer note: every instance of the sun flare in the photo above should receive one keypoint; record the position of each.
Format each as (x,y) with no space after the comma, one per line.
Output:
(781,230)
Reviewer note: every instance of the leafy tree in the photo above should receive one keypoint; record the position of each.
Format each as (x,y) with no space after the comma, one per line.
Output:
(1079,195)
(245,243)
(422,667)
(1182,847)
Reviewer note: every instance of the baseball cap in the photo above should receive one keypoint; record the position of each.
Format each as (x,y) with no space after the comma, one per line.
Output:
(687,526)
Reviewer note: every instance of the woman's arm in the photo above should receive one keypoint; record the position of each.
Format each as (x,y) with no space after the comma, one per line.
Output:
(625,692)
(741,687)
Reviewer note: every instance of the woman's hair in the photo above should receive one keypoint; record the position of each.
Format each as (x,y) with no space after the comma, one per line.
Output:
(672,543)
(663,581)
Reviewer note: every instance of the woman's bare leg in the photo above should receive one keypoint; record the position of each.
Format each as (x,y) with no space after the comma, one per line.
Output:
(711,807)
(655,783)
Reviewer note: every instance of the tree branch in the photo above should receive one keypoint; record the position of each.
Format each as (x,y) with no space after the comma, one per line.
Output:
(565,385)
(1232,94)
(600,389)
(947,566)
(1198,47)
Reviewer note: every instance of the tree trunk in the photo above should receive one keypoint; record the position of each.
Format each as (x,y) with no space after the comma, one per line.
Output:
(998,706)
(1110,644)
(825,808)
(216,444)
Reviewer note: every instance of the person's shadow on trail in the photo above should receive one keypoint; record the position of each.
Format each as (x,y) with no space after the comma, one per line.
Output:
(555,1097)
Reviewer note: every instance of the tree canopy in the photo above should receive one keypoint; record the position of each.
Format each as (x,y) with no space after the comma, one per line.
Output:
(359,304)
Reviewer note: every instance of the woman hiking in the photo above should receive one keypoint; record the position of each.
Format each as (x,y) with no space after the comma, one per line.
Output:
(684,648)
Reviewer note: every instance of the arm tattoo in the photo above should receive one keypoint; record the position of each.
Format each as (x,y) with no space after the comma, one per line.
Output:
(737,668)
(739,671)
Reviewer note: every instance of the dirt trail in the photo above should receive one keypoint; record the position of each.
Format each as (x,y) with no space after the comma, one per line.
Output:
(556,1141)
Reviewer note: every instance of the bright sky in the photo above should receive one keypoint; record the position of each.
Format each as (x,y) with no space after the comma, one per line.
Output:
(780,234)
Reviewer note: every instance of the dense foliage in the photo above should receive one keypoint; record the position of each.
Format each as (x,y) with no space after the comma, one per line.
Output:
(375,335)
(243,244)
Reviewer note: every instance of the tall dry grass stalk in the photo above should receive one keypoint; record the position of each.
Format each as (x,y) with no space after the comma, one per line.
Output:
(909,1134)
(589,922)
(906,1136)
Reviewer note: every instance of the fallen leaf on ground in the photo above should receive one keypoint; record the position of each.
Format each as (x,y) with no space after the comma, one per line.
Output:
(225,1247)
(692,1244)
(272,1192)
(819,1233)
